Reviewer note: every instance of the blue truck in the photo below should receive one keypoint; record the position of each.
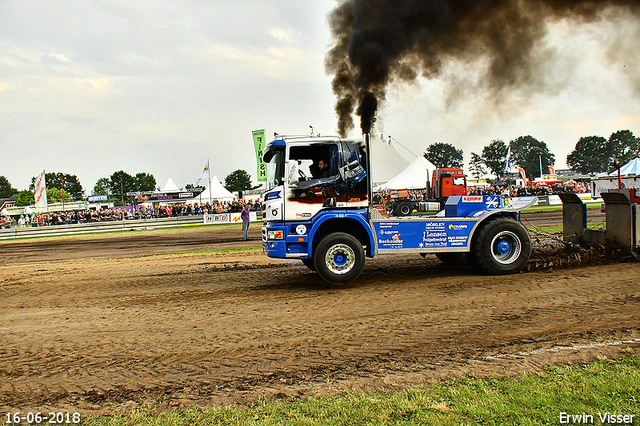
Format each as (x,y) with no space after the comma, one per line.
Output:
(326,219)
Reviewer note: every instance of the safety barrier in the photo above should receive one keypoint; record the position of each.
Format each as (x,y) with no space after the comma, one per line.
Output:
(119,225)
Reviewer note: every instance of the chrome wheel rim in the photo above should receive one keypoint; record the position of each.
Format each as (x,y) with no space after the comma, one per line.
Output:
(506,247)
(340,259)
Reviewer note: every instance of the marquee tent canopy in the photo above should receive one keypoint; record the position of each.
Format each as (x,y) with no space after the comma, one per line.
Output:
(386,162)
(215,192)
(170,186)
(414,176)
(631,168)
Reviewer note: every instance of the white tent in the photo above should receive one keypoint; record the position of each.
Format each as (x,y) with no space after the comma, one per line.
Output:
(215,192)
(414,176)
(385,160)
(170,186)
(631,168)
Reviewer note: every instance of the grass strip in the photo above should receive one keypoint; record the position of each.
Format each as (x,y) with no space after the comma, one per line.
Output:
(598,387)
(143,228)
(556,207)
(557,229)
(227,250)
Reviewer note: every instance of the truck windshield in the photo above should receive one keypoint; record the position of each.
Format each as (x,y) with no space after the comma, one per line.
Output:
(275,169)
(461,181)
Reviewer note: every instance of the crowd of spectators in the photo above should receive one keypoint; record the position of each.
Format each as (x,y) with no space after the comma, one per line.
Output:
(129,213)
(5,222)
(235,206)
(502,190)
(537,190)
(414,195)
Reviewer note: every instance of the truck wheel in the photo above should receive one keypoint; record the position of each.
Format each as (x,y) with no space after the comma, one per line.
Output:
(502,246)
(452,259)
(339,258)
(308,262)
(403,209)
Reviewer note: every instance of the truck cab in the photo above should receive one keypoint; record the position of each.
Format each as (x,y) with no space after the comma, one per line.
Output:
(302,204)
(444,183)
(448,182)
(294,177)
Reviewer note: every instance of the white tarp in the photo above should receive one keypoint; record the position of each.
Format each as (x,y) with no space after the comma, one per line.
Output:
(386,162)
(631,168)
(415,176)
(215,192)
(170,186)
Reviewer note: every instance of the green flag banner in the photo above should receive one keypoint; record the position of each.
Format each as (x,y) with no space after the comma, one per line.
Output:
(258,142)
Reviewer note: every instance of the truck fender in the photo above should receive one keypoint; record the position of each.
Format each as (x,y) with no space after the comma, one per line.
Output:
(357,215)
(501,246)
(488,215)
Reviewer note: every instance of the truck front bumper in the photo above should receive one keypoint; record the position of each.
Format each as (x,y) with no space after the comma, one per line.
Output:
(273,247)
(277,244)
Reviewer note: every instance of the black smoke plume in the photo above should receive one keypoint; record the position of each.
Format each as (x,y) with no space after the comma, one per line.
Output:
(378,41)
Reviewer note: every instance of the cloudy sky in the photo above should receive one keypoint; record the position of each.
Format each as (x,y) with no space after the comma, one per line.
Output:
(93,87)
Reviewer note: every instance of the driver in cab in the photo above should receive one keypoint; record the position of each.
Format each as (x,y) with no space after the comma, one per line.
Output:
(322,170)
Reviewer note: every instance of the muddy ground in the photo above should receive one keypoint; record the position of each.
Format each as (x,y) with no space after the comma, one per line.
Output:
(111,323)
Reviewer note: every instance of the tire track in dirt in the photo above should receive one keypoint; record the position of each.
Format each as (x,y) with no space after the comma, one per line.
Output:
(105,334)
(125,244)
(334,340)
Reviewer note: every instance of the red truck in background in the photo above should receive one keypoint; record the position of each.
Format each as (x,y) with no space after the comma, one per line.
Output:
(444,183)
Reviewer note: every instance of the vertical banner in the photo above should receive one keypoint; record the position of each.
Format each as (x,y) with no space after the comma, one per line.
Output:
(40,191)
(507,161)
(204,174)
(523,174)
(258,143)
(540,156)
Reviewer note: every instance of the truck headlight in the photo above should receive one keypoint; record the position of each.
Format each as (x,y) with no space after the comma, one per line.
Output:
(275,235)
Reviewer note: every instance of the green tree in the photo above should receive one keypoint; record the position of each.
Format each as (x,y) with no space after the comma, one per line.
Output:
(195,189)
(476,166)
(120,183)
(592,154)
(494,156)
(623,147)
(239,180)
(190,187)
(55,195)
(443,155)
(145,182)
(527,152)
(69,183)
(6,190)
(102,187)
(25,198)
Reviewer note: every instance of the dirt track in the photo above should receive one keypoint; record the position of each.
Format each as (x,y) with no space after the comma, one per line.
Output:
(112,332)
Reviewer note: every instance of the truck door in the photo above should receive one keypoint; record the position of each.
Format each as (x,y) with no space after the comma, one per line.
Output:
(324,175)
(451,185)
(459,185)
(311,179)
(446,185)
